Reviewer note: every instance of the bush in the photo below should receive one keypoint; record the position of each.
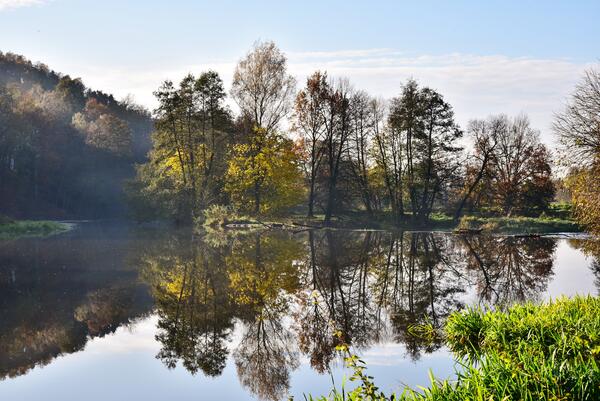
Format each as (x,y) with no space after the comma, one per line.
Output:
(16,229)
(217,216)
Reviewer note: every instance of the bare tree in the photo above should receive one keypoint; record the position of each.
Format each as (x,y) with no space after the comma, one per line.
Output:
(578,126)
(520,158)
(389,157)
(485,137)
(363,127)
(310,124)
(262,87)
(337,115)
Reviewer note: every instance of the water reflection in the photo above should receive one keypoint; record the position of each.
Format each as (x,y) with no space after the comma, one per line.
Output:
(55,295)
(591,248)
(509,269)
(291,293)
(262,300)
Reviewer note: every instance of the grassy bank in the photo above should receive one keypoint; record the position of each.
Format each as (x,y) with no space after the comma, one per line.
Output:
(558,221)
(496,225)
(519,225)
(11,229)
(545,352)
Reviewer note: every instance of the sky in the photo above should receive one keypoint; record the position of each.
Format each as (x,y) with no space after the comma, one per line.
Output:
(485,57)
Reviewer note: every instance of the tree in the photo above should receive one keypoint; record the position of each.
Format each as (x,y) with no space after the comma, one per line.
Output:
(578,129)
(309,122)
(578,126)
(426,136)
(262,87)
(484,134)
(520,169)
(337,114)
(102,129)
(263,175)
(264,92)
(366,117)
(584,185)
(190,141)
(389,158)
(65,150)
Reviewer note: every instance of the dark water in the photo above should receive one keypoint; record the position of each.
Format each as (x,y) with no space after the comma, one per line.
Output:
(109,312)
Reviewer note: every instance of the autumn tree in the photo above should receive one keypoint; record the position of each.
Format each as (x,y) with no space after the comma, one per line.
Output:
(578,130)
(49,167)
(263,175)
(102,129)
(519,171)
(309,123)
(484,134)
(264,91)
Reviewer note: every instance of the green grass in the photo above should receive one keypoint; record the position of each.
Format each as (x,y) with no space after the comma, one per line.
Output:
(529,352)
(12,229)
(557,220)
(519,225)
(441,221)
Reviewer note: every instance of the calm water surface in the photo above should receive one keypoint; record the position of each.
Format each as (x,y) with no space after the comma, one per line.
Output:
(109,312)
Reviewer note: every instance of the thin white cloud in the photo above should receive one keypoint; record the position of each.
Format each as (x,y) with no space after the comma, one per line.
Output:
(6,4)
(342,53)
(476,86)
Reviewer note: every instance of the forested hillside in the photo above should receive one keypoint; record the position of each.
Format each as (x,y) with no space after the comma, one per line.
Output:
(65,149)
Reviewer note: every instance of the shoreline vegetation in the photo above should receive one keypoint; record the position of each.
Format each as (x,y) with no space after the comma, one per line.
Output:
(549,351)
(13,229)
(223,218)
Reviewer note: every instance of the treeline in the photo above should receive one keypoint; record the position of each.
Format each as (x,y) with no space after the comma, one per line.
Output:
(344,150)
(65,150)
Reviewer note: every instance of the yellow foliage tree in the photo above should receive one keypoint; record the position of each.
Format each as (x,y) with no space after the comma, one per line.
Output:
(263,174)
(585,195)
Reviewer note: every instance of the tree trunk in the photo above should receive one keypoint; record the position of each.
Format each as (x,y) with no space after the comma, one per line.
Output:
(471,188)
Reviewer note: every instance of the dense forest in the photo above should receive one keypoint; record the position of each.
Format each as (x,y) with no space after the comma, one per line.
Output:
(65,150)
(323,150)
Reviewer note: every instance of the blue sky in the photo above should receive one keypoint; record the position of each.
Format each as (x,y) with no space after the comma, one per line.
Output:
(484,56)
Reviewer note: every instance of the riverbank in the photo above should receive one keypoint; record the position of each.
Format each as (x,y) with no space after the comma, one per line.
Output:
(529,352)
(12,229)
(383,221)
(518,225)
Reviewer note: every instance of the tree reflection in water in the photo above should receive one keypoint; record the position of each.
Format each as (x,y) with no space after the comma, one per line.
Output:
(190,286)
(509,269)
(290,293)
(591,248)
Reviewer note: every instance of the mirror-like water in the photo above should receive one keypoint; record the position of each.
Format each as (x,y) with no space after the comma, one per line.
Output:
(110,312)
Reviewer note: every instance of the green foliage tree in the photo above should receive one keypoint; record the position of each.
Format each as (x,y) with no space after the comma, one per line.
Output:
(418,151)
(187,161)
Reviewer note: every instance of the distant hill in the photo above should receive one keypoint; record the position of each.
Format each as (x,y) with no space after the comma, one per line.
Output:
(65,149)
